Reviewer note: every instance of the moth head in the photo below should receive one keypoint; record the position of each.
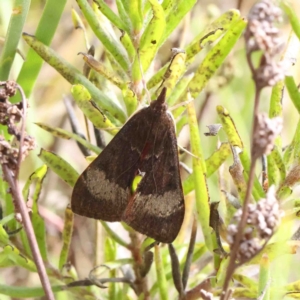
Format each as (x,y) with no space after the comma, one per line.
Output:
(159,104)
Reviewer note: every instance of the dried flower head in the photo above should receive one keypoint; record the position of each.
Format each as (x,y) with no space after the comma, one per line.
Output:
(7,89)
(10,116)
(9,113)
(8,154)
(265,133)
(262,219)
(271,73)
(262,34)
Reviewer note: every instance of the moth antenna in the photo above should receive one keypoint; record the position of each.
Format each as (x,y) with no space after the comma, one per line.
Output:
(162,96)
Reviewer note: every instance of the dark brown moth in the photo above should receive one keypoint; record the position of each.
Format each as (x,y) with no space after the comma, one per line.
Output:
(145,145)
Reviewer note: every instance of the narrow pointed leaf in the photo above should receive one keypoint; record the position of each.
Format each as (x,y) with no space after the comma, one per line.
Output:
(201,191)
(83,99)
(215,57)
(292,15)
(130,100)
(64,134)
(293,91)
(17,20)
(18,292)
(37,221)
(101,69)
(175,70)
(151,37)
(108,40)
(74,76)
(212,32)
(110,15)
(66,237)
(61,167)
(160,273)
(264,278)
(175,16)
(45,31)
(212,165)
(16,258)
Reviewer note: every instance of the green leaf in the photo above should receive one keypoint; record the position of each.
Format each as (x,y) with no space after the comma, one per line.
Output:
(101,69)
(212,163)
(293,18)
(264,277)
(199,170)
(273,174)
(110,15)
(179,89)
(128,45)
(64,134)
(25,292)
(238,176)
(174,72)
(293,91)
(66,237)
(215,57)
(104,34)
(4,238)
(277,158)
(212,32)
(61,167)
(74,76)
(83,99)
(235,140)
(258,191)
(8,207)
(124,16)
(45,31)
(133,9)
(110,251)
(296,143)
(12,38)
(149,41)
(38,223)
(113,235)
(11,256)
(160,273)
(130,100)
(175,16)
(246,281)
(229,127)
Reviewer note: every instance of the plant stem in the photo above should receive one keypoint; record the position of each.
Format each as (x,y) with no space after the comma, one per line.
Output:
(11,176)
(15,190)
(232,265)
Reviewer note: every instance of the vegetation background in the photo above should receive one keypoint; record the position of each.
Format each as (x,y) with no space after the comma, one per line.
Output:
(90,244)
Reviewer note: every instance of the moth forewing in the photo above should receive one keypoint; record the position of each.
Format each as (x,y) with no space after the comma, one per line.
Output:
(146,144)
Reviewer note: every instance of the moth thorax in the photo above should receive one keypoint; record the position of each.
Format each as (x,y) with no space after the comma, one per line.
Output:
(159,106)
